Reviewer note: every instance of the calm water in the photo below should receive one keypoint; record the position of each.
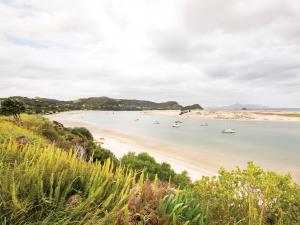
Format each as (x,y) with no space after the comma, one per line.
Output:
(275,144)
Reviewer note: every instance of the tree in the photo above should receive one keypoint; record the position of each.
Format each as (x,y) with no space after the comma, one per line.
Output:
(12,107)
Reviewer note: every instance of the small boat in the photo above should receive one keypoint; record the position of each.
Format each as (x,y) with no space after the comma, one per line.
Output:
(203,124)
(178,121)
(156,122)
(177,125)
(229,131)
(136,120)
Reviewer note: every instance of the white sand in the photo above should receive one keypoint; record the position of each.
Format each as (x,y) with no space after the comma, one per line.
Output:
(121,147)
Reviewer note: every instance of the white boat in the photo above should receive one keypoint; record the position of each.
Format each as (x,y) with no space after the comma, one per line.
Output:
(229,131)
(156,122)
(177,125)
(203,124)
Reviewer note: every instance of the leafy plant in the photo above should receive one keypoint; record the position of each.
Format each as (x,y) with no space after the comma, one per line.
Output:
(144,161)
(183,207)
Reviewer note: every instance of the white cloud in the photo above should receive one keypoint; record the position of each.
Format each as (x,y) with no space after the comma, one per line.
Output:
(195,51)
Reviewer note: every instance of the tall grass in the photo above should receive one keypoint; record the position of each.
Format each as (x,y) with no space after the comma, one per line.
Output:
(46,185)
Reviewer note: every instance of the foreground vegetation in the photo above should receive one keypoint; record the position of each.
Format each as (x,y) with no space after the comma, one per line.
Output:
(43,180)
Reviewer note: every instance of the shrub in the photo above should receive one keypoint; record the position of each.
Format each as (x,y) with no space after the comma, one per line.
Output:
(50,134)
(144,161)
(83,132)
(100,154)
(143,202)
(250,196)
(183,207)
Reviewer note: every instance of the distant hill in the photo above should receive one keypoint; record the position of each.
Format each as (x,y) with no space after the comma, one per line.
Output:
(247,106)
(188,108)
(45,105)
(192,107)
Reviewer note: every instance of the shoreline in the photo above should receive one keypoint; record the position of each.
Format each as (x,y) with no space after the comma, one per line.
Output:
(120,144)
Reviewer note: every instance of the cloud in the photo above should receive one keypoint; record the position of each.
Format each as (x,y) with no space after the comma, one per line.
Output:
(236,15)
(196,51)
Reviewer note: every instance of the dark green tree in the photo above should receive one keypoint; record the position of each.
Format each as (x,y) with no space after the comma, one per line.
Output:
(12,107)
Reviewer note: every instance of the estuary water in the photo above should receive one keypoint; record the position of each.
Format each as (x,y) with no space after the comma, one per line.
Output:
(272,145)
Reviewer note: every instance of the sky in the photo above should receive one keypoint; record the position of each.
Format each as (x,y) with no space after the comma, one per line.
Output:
(210,52)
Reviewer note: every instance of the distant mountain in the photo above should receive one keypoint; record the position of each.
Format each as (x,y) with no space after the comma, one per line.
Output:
(44,105)
(247,106)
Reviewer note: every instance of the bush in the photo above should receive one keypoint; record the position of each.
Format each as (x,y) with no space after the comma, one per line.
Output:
(250,196)
(83,132)
(100,154)
(144,161)
(50,134)
(183,207)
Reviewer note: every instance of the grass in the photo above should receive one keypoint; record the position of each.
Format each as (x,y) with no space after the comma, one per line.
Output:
(41,183)
(37,182)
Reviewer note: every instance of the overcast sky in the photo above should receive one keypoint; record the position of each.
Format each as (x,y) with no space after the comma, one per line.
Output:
(211,52)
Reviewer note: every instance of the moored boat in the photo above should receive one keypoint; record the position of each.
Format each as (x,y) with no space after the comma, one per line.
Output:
(229,131)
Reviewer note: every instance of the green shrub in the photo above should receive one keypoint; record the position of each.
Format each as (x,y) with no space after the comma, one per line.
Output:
(100,154)
(183,207)
(83,132)
(50,134)
(250,196)
(144,161)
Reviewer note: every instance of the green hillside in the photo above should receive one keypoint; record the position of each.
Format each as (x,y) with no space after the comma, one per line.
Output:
(44,105)
(43,180)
